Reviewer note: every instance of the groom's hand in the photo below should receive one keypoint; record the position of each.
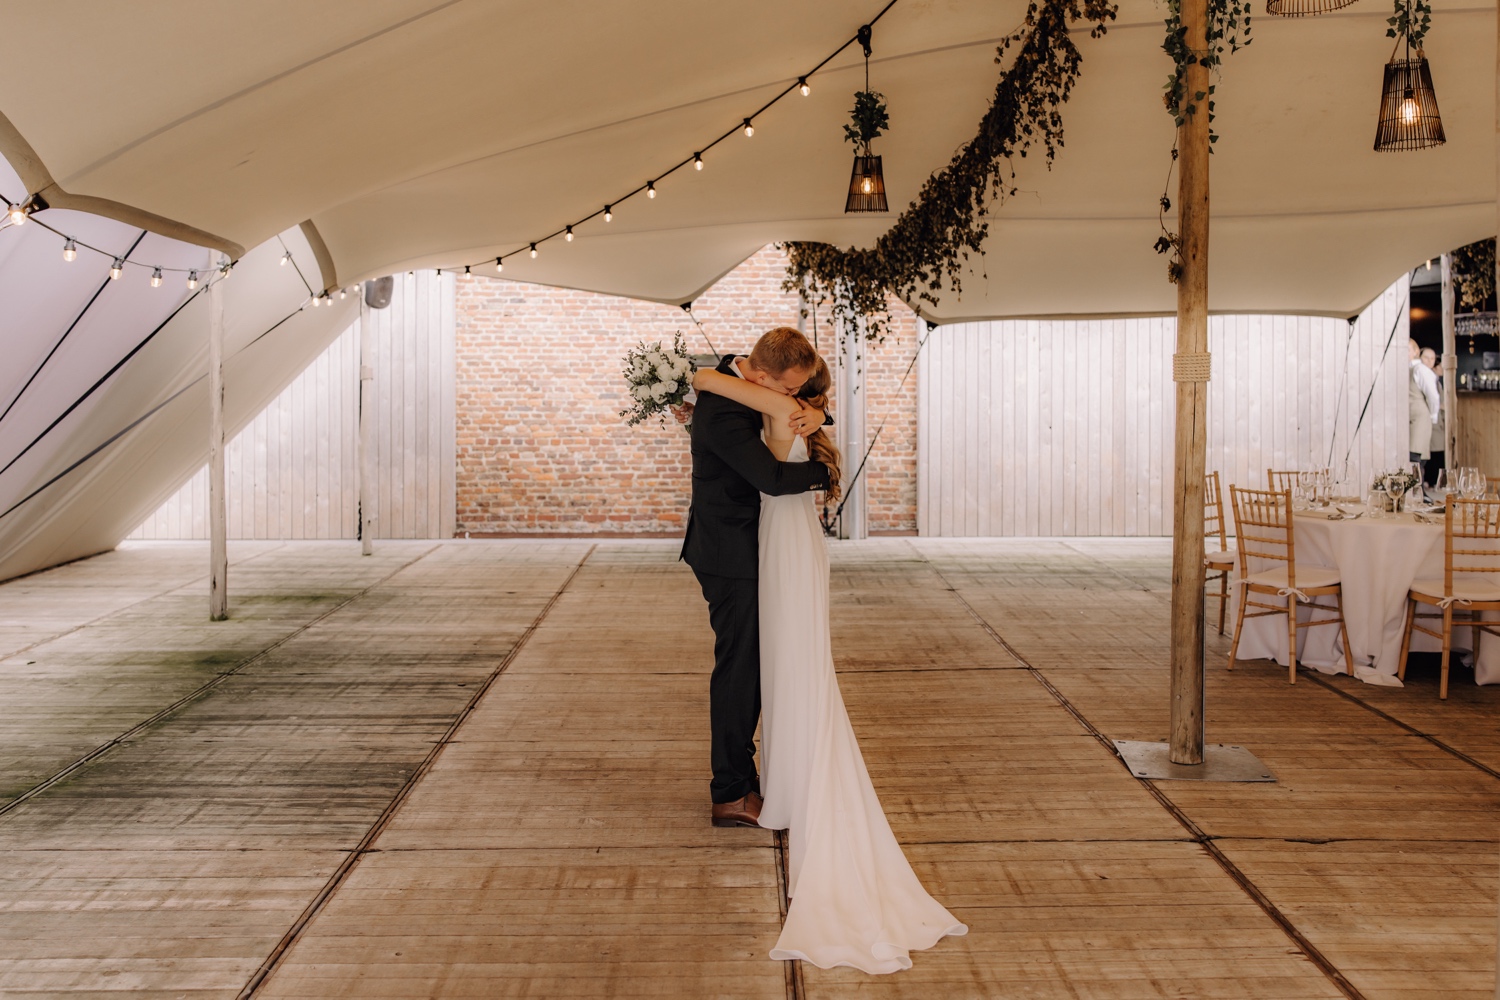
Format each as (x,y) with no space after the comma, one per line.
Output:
(805,421)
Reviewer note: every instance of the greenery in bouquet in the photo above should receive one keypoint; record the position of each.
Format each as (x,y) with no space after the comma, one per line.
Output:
(657,379)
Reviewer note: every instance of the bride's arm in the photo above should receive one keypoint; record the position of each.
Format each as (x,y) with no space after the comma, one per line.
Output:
(773,404)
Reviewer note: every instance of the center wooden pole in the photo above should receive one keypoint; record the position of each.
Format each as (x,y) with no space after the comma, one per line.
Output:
(1191,375)
(218,551)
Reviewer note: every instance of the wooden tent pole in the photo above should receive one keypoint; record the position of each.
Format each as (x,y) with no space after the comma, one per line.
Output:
(218,522)
(1450,369)
(366,455)
(1190,372)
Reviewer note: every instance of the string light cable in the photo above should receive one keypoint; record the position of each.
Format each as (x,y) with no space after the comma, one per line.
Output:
(695,159)
(19,213)
(27,212)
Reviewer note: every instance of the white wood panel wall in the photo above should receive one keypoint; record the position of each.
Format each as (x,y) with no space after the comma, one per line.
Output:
(1056,428)
(292,472)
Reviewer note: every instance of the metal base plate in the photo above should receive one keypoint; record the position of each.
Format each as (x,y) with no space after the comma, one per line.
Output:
(1220,763)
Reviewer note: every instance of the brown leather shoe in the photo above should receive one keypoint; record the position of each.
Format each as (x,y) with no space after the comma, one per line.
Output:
(740,812)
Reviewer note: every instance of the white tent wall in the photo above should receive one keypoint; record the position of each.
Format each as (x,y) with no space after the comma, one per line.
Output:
(267,342)
(293,473)
(1059,428)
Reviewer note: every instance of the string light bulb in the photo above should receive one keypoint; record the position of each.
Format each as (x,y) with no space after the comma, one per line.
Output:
(802,86)
(116,269)
(650,189)
(343,293)
(70,250)
(192,280)
(749,129)
(316,302)
(609,214)
(499,265)
(569,235)
(697,161)
(533,251)
(17,215)
(156,277)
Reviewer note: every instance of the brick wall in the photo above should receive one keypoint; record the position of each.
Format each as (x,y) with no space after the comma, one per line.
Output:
(541,448)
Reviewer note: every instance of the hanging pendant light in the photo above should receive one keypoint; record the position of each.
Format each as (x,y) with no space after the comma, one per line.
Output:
(1409,116)
(866,185)
(866,179)
(1304,8)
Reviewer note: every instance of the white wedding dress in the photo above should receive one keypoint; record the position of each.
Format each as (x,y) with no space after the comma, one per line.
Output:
(855,899)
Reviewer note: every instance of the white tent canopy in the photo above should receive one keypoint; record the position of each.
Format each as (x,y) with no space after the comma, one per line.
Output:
(423,133)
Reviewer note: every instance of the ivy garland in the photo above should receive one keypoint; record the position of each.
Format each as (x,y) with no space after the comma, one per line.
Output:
(1228,26)
(936,234)
(1474,274)
(1412,18)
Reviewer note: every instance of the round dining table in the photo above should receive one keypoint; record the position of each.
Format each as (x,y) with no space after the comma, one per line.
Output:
(1378,557)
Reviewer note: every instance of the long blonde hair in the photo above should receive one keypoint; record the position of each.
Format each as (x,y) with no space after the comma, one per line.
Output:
(814,393)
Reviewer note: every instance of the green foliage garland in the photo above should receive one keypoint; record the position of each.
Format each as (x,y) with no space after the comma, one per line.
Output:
(1474,275)
(935,235)
(869,119)
(1412,19)
(1228,26)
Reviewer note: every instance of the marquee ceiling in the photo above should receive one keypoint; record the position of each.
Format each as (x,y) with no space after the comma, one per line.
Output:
(424,133)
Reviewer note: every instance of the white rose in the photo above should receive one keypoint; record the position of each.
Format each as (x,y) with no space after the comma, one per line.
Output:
(671,385)
(641,392)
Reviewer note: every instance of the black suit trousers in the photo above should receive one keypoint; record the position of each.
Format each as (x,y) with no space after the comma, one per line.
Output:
(734,688)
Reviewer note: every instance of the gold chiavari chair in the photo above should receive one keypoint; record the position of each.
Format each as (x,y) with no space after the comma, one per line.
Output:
(1217,561)
(1471,577)
(1281,480)
(1263,531)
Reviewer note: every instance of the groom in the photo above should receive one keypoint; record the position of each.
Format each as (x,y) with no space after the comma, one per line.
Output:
(731,468)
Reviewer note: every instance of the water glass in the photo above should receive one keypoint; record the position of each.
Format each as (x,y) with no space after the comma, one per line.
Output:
(1440,487)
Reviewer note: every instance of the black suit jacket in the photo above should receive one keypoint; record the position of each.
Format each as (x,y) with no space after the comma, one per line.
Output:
(732,467)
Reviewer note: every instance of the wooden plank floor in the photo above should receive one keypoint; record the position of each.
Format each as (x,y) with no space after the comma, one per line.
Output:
(557,844)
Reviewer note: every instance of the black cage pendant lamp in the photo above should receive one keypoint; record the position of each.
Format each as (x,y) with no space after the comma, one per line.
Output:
(1409,116)
(1304,8)
(866,180)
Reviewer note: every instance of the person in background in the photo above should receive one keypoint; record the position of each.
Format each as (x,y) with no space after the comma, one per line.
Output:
(1422,405)
(1438,458)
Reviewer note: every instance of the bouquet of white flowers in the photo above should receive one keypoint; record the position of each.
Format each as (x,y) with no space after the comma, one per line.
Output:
(658,378)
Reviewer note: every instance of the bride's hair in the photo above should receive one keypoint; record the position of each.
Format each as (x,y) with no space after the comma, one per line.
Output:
(814,392)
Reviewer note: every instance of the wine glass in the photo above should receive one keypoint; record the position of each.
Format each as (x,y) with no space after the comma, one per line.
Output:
(1418,490)
(1323,486)
(1395,487)
(1440,485)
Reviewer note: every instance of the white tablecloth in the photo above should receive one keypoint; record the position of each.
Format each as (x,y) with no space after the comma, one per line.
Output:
(1377,560)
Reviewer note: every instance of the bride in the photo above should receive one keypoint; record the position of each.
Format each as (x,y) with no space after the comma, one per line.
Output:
(854,899)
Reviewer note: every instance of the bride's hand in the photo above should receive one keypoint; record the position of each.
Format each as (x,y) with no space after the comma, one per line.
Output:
(806,420)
